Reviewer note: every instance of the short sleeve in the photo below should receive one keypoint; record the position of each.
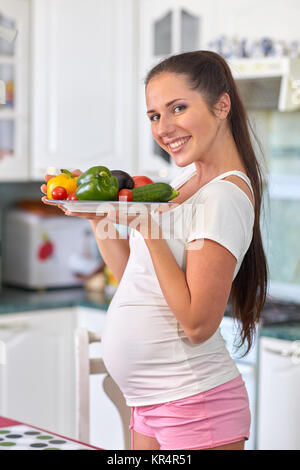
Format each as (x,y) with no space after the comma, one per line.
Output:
(223,213)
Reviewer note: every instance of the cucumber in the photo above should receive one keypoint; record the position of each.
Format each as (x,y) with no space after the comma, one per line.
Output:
(155,192)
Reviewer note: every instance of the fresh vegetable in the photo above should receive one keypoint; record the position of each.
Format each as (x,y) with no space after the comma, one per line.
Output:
(155,192)
(124,179)
(72,197)
(97,184)
(125,194)
(141,181)
(65,179)
(59,193)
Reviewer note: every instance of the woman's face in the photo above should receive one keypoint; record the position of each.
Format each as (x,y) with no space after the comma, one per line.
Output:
(181,122)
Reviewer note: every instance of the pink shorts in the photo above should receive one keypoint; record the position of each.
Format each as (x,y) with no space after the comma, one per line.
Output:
(209,419)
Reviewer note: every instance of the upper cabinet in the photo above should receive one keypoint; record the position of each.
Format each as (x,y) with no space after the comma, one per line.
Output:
(14,64)
(166,28)
(82,88)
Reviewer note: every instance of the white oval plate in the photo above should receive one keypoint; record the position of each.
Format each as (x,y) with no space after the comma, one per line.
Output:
(103,207)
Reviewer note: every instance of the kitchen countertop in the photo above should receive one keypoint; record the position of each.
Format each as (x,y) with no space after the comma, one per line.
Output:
(14,300)
(287,331)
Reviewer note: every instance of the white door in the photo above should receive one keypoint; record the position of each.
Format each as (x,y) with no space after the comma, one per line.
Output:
(166,28)
(278,395)
(83,84)
(14,60)
(37,372)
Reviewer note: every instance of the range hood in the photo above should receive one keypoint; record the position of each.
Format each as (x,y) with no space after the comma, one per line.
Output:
(268,83)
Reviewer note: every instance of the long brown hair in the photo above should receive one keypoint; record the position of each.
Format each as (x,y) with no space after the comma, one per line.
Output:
(208,73)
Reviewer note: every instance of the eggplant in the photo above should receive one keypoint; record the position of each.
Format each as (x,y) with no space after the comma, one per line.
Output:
(124,179)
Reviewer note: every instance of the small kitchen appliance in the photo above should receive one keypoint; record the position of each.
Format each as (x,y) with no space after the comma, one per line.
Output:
(43,250)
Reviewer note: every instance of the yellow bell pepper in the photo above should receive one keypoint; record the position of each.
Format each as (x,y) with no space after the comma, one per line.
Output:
(64,179)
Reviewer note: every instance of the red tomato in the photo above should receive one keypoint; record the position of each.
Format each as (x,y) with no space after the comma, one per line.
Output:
(141,181)
(125,194)
(59,193)
(72,197)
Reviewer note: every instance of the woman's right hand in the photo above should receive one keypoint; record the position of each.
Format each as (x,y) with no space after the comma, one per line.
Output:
(48,177)
(85,215)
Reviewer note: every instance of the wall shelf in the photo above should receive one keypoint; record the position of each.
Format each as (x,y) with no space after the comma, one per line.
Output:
(268,82)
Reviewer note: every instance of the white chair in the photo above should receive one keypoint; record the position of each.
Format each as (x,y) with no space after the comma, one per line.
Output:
(84,367)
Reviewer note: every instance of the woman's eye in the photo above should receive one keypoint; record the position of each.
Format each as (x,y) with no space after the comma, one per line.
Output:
(154,117)
(179,108)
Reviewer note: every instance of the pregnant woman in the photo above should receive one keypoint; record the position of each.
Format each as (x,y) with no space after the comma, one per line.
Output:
(161,342)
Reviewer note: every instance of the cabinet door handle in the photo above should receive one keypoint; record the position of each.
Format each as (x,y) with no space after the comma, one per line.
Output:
(293,351)
(13,325)
(278,352)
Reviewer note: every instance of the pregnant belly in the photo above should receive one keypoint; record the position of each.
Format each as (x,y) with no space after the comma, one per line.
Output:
(136,341)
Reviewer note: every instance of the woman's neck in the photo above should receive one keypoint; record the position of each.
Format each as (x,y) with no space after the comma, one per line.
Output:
(223,157)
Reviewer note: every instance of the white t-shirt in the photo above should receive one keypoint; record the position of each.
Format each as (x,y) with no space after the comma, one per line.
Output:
(145,349)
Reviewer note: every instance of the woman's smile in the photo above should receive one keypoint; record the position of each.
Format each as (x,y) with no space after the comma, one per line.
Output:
(176,145)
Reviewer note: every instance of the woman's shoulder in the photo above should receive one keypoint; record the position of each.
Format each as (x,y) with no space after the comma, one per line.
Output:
(226,192)
(243,184)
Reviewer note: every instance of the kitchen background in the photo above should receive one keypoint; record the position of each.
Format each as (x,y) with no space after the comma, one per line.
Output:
(75,98)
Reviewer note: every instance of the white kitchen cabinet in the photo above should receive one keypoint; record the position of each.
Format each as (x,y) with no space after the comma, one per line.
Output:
(165,28)
(247,366)
(105,421)
(83,84)
(14,67)
(278,395)
(37,373)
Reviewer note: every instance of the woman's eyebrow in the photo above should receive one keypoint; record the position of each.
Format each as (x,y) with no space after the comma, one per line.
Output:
(167,104)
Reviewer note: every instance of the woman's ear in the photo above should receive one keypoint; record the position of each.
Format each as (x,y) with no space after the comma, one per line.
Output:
(222,107)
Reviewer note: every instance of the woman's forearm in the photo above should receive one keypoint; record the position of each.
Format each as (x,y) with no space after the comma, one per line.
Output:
(114,250)
(172,281)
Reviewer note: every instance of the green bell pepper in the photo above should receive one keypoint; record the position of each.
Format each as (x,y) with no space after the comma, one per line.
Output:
(97,184)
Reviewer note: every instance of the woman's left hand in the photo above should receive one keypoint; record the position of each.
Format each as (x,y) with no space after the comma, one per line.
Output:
(142,222)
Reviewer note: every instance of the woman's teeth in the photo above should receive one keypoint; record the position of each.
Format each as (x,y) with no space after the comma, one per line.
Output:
(178,143)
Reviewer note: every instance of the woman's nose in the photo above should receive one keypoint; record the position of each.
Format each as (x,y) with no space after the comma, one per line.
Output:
(165,127)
